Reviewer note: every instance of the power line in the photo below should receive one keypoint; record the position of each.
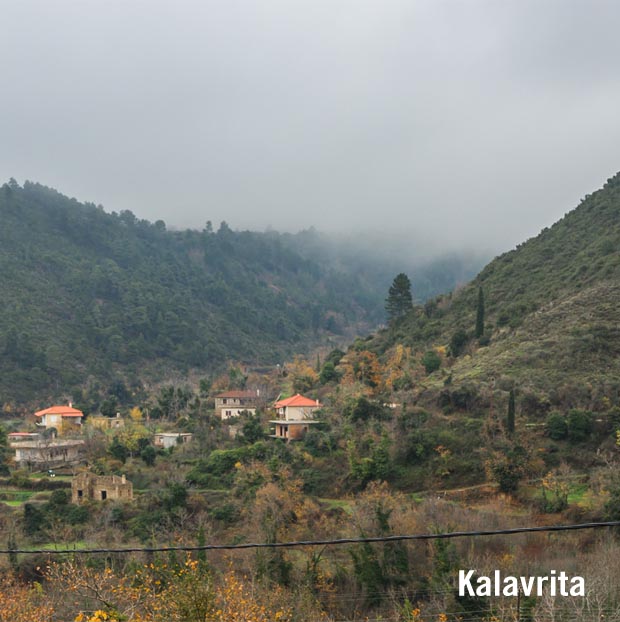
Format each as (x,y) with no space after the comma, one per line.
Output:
(302,543)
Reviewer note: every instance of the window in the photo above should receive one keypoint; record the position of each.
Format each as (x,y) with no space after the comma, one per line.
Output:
(80,494)
(104,495)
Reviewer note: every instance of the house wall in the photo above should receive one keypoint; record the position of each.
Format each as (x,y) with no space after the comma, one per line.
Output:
(297,432)
(221,402)
(171,440)
(297,413)
(70,424)
(49,455)
(106,423)
(62,424)
(230,411)
(293,432)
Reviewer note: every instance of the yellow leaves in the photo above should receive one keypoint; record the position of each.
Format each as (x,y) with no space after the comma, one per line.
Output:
(98,616)
(153,593)
(443,452)
(362,367)
(136,414)
(237,601)
(131,434)
(303,375)
(20,603)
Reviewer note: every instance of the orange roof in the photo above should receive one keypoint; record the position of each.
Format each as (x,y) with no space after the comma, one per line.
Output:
(297,400)
(64,411)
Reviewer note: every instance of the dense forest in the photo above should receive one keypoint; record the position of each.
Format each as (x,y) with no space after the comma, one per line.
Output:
(92,294)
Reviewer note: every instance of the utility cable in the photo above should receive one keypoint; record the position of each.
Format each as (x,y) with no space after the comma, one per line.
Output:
(303,543)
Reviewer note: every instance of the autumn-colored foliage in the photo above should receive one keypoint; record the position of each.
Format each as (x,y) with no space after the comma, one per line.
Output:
(23,603)
(154,592)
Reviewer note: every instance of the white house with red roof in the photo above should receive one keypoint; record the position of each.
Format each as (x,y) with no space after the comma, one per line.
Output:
(295,417)
(64,419)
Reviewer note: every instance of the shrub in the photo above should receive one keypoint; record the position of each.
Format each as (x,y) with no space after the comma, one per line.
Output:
(363,410)
(580,425)
(458,341)
(431,361)
(556,427)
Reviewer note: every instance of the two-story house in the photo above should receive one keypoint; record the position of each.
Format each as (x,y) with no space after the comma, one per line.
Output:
(64,419)
(295,417)
(232,403)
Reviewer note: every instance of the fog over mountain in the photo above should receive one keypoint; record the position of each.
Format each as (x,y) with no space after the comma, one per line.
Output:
(452,124)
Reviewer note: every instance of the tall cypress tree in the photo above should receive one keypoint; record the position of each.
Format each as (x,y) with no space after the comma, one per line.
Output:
(480,314)
(510,417)
(399,299)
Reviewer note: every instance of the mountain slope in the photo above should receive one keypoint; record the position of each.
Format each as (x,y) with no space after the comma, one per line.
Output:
(88,294)
(551,307)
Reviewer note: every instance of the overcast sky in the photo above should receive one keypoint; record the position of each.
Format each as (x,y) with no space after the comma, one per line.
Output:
(461,122)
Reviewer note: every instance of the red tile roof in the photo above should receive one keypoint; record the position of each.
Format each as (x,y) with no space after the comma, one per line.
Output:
(64,411)
(297,400)
(233,394)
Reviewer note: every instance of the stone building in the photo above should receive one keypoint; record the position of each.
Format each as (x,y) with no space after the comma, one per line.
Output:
(88,486)
(106,423)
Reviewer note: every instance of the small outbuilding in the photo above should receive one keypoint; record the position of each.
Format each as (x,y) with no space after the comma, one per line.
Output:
(171,439)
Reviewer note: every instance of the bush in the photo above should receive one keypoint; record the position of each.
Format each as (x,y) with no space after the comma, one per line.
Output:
(556,427)
(580,423)
(509,471)
(252,429)
(431,361)
(328,373)
(363,410)
(458,341)
(611,510)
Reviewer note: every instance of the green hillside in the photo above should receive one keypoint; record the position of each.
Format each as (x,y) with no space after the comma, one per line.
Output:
(513,394)
(89,294)
(551,307)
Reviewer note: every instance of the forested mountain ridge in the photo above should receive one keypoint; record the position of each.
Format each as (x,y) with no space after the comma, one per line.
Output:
(550,307)
(88,294)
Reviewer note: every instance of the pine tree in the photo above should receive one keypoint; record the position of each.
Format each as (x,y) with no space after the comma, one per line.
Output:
(480,314)
(399,299)
(510,417)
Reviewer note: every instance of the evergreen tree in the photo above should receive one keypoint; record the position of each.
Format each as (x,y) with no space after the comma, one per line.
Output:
(399,299)
(510,418)
(480,314)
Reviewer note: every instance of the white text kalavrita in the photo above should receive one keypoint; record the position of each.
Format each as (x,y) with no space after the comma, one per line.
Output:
(555,583)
